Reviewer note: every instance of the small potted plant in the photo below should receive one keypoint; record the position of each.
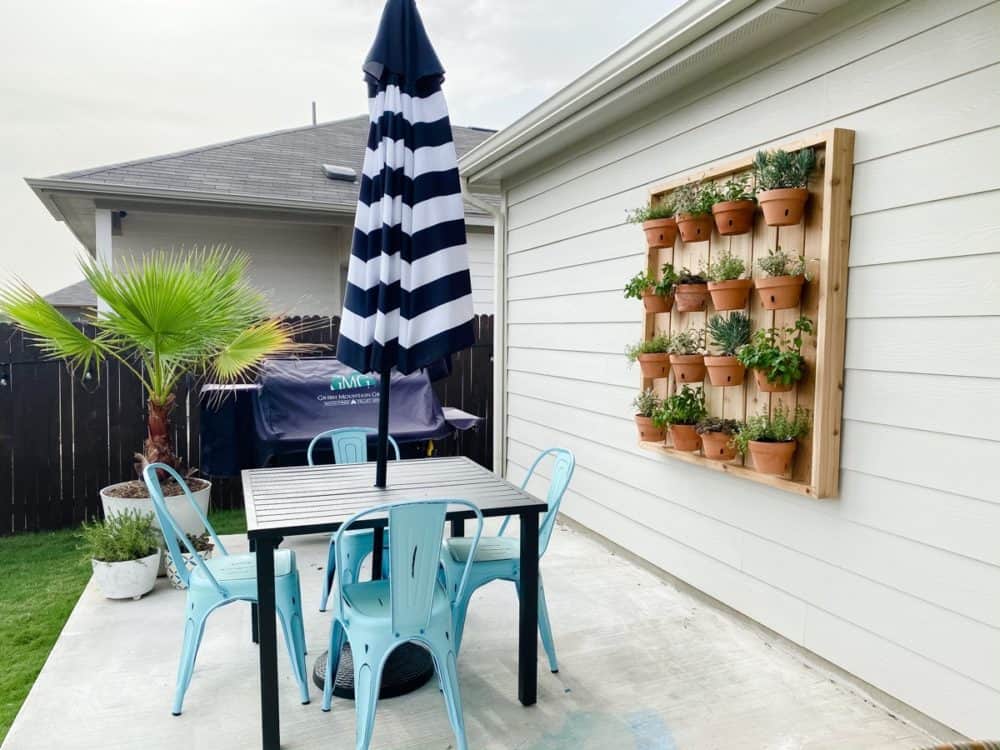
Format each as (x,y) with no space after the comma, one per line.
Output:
(656,296)
(657,220)
(680,413)
(775,356)
(690,291)
(647,405)
(728,334)
(784,274)
(687,355)
(725,283)
(781,179)
(124,553)
(772,439)
(717,438)
(653,356)
(694,211)
(735,207)
(202,544)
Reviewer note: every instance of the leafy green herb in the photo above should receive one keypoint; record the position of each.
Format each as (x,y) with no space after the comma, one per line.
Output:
(125,536)
(729,332)
(659,344)
(695,199)
(776,352)
(660,210)
(647,403)
(645,283)
(690,341)
(779,263)
(687,406)
(737,188)
(726,267)
(780,169)
(780,426)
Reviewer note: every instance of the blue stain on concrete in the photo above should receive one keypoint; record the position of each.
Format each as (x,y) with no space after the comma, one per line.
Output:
(599,731)
(650,731)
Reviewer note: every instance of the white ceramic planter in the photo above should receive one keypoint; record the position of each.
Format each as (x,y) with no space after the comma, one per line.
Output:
(178,506)
(126,580)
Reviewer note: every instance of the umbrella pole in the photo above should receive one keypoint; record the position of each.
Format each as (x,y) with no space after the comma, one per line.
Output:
(382,441)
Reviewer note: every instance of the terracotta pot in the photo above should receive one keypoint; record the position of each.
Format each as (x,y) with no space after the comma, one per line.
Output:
(685,437)
(734,217)
(654,365)
(660,233)
(730,295)
(688,368)
(724,371)
(657,303)
(766,386)
(695,228)
(772,458)
(691,297)
(783,206)
(779,292)
(718,446)
(649,432)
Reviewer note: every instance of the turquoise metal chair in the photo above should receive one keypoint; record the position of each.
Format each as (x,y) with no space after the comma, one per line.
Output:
(412,606)
(350,446)
(499,557)
(223,580)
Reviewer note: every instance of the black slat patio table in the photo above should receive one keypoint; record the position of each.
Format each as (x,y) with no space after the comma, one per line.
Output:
(288,501)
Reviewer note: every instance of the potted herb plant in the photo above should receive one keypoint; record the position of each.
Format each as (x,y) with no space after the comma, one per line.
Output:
(657,295)
(717,438)
(693,204)
(202,544)
(784,275)
(782,179)
(687,355)
(657,220)
(772,439)
(735,206)
(728,333)
(653,356)
(647,405)
(775,356)
(690,291)
(680,413)
(124,552)
(170,315)
(725,283)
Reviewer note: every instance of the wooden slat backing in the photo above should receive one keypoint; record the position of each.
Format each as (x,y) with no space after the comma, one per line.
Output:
(824,237)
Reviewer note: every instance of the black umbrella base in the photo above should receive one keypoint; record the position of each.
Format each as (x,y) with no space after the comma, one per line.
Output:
(409,667)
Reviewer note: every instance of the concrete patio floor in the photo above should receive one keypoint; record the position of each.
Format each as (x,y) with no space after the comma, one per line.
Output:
(644,665)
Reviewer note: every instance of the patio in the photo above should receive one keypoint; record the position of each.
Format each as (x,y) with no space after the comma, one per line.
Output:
(640,659)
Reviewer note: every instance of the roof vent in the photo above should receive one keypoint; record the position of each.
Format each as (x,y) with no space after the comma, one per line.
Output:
(345,174)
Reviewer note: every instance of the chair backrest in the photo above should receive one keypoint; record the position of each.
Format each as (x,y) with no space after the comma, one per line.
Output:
(562,471)
(416,529)
(350,444)
(172,533)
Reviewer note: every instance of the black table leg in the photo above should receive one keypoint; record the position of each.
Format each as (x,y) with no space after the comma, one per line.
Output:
(527,648)
(267,629)
(254,635)
(458,527)
(378,549)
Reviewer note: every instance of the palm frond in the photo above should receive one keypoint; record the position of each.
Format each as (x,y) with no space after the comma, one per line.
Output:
(241,357)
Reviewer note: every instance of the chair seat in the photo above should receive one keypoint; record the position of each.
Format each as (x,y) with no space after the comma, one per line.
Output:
(233,568)
(490,548)
(371,599)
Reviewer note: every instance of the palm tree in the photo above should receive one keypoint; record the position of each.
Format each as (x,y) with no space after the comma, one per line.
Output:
(169,315)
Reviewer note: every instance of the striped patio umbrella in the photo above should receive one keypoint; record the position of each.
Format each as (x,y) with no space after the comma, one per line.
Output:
(409,296)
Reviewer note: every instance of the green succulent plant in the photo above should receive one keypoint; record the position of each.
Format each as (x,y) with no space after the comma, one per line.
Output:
(717,424)
(729,332)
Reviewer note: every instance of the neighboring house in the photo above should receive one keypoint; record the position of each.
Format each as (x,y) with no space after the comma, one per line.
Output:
(267,195)
(76,301)
(897,580)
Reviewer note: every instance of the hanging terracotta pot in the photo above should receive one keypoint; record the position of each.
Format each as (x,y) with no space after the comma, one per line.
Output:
(657,303)
(767,386)
(718,446)
(772,458)
(649,432)
(654,365)
(734,217)
(724,371)
(784,206)
(691,297)
(695,228)
(688,368)
(685,437)
(660,233)
(730,295)
(779,292)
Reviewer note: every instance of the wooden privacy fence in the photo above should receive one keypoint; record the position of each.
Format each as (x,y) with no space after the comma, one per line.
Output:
(64,435)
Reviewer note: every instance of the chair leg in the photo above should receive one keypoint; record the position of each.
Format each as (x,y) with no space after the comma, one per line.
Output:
(447,671)
(300,630)
(193,630)
(331,569)
(460,610)
(290,628)
(545,628)
(332,662)
(367,679)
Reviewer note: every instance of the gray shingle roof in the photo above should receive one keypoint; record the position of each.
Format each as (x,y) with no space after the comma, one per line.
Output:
(283,165)
(80,294)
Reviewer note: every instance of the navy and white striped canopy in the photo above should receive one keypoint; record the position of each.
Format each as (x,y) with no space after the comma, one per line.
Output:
(409,295)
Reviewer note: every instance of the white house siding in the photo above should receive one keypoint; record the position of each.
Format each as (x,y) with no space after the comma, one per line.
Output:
(481,269)
(898,580)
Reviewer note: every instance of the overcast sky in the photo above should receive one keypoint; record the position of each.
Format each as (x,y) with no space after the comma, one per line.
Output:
(90,83)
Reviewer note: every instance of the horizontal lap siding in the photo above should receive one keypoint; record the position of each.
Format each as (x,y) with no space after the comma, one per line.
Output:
(481,268)
(897,581)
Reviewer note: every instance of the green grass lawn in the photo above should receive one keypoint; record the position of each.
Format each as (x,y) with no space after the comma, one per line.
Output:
(41,577)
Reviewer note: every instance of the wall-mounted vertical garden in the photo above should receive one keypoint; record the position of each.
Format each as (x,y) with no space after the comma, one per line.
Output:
(727,304)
